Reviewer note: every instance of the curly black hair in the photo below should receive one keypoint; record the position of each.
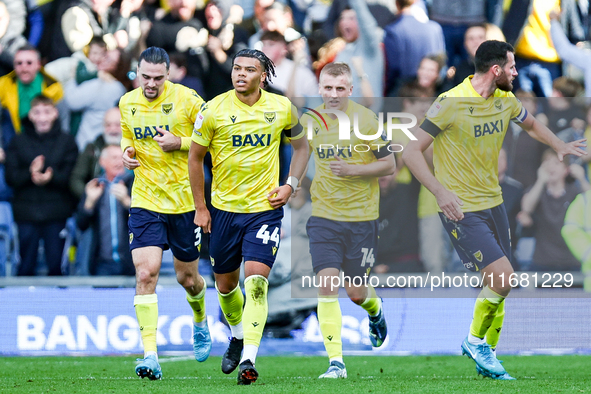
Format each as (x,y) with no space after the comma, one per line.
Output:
(266,63)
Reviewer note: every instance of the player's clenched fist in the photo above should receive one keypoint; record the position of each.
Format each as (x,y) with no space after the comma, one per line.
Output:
(279,196)
(129,160)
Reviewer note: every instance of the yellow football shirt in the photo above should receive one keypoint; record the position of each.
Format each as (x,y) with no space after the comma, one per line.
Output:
(469,132)
(162,180)
(345,198)
(244,145)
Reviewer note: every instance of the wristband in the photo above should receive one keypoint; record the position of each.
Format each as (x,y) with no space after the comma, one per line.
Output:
(293,182)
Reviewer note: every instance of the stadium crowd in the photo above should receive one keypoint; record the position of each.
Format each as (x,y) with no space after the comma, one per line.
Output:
(64,183)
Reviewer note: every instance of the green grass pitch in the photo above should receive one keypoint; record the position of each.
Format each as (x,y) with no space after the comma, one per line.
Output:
(408,374)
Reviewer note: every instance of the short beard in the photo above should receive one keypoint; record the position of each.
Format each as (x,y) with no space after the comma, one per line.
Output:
(505,87)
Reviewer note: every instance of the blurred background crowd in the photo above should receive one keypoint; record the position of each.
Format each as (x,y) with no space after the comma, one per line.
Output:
(64,194)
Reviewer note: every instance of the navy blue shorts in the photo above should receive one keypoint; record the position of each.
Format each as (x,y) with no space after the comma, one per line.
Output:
(350,247)
(175,231)
(254,236)
(480,238)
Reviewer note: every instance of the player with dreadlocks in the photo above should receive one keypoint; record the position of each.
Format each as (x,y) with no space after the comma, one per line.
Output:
(242,130)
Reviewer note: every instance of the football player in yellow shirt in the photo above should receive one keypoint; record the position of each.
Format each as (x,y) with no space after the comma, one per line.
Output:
(467,125)
(343,228)
(242,129)
(157,121)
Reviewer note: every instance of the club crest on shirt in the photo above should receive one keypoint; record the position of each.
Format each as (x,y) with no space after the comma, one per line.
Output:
(498,104)
(478,256)
(270,117)
(166,108)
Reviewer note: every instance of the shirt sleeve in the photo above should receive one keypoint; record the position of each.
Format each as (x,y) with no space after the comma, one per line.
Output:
(193,105)
(518,111)
(439,116)
(204,127)
(294,130)
(127,136)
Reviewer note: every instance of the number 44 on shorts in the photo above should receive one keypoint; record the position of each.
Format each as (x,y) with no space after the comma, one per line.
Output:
(266,236)
(367,257)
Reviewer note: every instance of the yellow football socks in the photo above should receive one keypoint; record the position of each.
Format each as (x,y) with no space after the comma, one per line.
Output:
(197,303)
(485,311)
(232,305)
(146,310)
(372,303)
(494,332)
(255,309)
(330,320)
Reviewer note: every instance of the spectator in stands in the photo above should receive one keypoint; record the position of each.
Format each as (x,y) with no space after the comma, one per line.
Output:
(257,20)
(455,17)
(310,15)
(529,32)
(294,80)
(474,36)
(178,73)
(570,53)
(277,17)
(360,31)
(223,42)
(81,66)
(179,30)
(39,162)
(28,80)
(544,205)
(562,111)
(512,192)
(105,207)
(382,10)
(576,232)
(327,53)
(81,20)
(494,32)
(524,153)
(407,41)
(428,74)
(87,166)
(13,20)
(96,96)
